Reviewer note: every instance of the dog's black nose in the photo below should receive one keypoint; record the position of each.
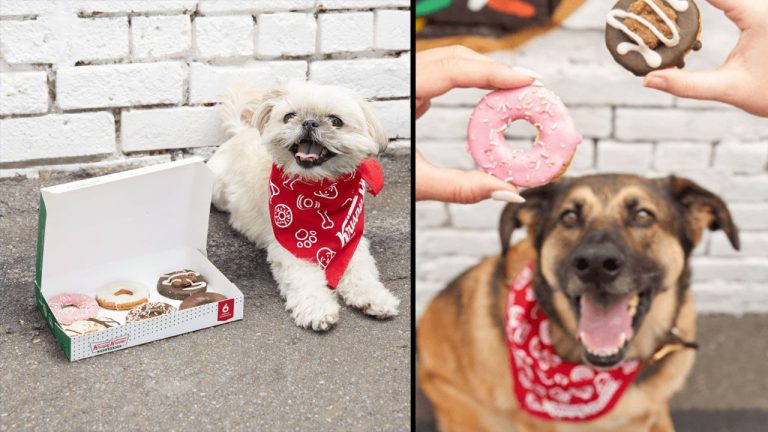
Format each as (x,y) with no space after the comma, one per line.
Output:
(311,123)
(598,262)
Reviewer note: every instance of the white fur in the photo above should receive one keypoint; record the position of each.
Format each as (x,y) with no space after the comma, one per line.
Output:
(242,167)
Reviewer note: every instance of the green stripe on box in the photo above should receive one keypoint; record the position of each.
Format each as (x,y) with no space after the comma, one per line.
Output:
(42,214)
(64,341)
(42,305)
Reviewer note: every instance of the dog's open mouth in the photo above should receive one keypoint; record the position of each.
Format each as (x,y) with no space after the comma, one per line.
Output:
(605,329)
(309,153)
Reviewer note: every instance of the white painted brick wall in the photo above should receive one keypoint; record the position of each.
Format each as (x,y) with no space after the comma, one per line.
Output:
(374,78)
(120,82)
(156,37)
(209,83)
(56,136)
(23,93)
(286,34)
(627,128)
(393,29)
(63,38)
(159,129)
(345,32)
(120,85)
(224,36)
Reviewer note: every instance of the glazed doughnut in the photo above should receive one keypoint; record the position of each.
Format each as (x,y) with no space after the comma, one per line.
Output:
(148,310)
(90,325)
(200,299)
(181,284)
(68,308)
(551,153)
(122,295)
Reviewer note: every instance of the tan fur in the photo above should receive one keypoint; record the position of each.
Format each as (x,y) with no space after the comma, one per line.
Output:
(462,363)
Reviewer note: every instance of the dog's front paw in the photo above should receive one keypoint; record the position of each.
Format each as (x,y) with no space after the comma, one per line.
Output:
(373,299)
(320,316)
(383,308)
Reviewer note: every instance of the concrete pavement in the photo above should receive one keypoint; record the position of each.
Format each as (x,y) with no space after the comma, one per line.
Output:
(261,373)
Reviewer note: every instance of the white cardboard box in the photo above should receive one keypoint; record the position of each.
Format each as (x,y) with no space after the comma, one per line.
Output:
(135,225)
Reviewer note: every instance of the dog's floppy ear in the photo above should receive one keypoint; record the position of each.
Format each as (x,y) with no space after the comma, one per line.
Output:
(701,209)
(530,214)
(262,112)
(375,130)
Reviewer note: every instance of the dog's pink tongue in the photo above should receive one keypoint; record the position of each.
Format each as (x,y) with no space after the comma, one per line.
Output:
(308,151)
(600,327)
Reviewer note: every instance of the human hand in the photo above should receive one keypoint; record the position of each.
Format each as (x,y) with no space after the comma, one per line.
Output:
(438,71)
(742,80)
(442,69)
(457,186)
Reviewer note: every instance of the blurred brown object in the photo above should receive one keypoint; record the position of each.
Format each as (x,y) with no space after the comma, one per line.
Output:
(493,30)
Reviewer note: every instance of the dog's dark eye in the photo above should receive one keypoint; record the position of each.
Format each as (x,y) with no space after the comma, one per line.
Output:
(335,121)
(643,218)
(569,219)
(288,117)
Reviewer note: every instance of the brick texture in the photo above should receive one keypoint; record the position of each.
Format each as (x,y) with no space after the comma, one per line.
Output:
(156,37)
(100,83)
(159,129)
(345,32)
(23,93)
(224,36)
(120,85)
(286,34)
(57,136)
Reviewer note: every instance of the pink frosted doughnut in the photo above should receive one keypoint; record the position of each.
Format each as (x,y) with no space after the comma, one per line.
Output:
(552,151)
(68,308)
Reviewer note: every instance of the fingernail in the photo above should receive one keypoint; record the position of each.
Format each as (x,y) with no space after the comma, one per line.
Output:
(537,83)
(507,196)
(526,71)
(655,82)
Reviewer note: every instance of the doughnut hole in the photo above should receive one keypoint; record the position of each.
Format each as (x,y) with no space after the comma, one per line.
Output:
(69,307)
(124,292)
(520,135)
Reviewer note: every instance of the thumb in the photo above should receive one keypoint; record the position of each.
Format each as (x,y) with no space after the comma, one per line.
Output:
(468,187)
(695,85)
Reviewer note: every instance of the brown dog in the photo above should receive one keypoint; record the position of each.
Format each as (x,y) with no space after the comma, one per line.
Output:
(607,247)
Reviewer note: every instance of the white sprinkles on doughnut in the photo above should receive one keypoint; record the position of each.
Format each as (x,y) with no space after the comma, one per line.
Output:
(545,112)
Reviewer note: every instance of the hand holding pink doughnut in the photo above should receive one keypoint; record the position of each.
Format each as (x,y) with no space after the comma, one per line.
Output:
(68,308)
(552,151)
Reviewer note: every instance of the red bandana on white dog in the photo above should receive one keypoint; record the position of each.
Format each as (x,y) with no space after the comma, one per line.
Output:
(322,221)
(545,385)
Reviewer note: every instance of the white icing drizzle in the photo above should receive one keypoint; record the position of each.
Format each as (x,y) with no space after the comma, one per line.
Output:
(651,57)
(195,285)
(476,5)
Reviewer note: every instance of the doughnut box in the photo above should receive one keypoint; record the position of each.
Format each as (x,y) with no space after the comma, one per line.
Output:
(137,230)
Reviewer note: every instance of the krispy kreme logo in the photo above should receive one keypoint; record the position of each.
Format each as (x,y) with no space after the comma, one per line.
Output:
(118,342)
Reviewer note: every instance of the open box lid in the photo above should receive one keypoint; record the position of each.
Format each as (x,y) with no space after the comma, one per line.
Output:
(91,222)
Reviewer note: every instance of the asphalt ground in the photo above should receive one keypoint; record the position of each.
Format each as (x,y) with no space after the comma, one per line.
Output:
(261,373)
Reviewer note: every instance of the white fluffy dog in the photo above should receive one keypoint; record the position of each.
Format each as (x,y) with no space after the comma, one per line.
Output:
(314,132)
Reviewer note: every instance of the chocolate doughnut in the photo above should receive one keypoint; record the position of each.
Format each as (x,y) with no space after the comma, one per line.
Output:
(646,35)
(181,284)
(200,299)
(148,310)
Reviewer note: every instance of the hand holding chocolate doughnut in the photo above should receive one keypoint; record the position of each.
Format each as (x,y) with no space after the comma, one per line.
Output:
(742,80)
